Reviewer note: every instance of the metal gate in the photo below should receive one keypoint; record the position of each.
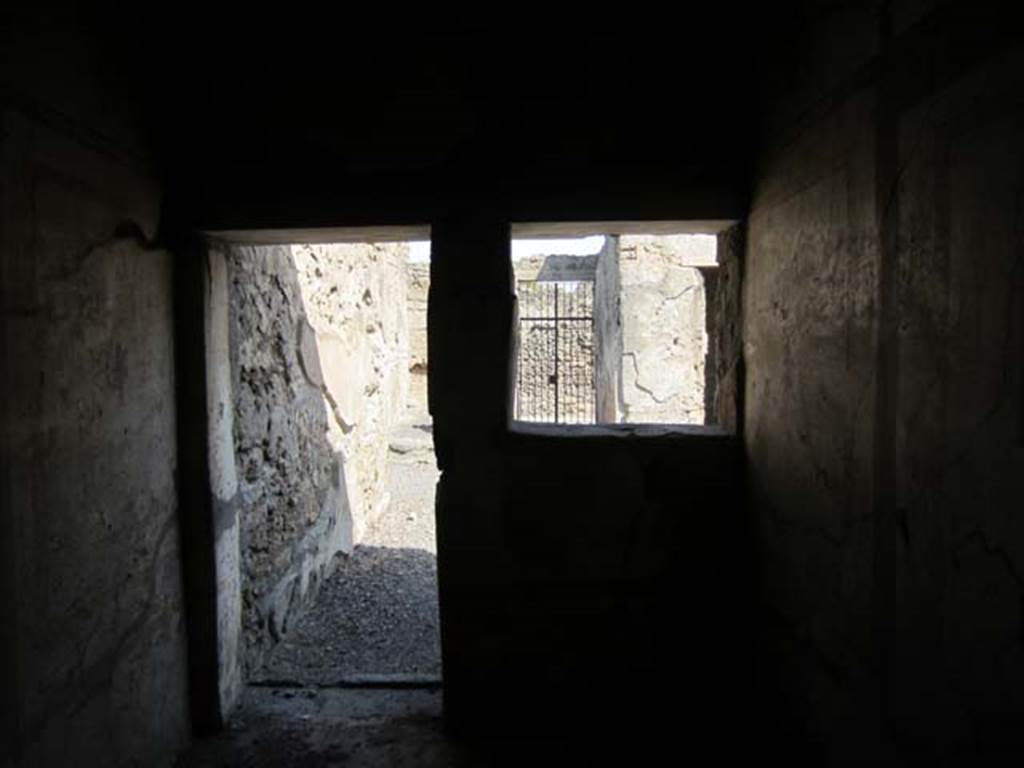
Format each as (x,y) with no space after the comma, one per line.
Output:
(555,382)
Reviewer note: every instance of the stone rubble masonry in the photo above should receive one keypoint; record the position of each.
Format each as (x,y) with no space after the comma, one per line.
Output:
(319,349)
(725,332)
(663,327)
(417,287)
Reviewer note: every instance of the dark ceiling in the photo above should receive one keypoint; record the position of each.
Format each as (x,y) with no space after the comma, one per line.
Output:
(290,119)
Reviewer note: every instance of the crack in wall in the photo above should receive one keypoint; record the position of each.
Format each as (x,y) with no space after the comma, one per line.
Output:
(649,392)
(993,550)
(345,426)
(682,293)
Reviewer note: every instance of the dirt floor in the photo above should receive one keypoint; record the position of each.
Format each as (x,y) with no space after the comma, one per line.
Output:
(377,615)
(357,682)
(311,727)
(358,728)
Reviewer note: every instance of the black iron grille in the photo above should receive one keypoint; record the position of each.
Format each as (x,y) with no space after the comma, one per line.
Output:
(556,352)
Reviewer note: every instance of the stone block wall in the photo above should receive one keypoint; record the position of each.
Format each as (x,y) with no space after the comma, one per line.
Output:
(319,349)
(663,327)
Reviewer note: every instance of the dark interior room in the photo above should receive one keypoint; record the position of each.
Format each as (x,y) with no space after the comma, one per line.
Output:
(821,567)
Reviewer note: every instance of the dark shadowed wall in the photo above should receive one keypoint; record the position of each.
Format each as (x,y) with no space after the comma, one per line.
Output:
(95,628)
(882,321)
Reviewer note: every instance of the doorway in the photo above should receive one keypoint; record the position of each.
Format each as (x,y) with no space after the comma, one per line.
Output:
(333,449)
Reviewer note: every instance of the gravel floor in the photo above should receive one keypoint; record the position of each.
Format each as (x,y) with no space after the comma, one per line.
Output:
(377,614)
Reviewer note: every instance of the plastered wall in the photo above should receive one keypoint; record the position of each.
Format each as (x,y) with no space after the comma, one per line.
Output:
(93,640)
(664,339)
(882,330)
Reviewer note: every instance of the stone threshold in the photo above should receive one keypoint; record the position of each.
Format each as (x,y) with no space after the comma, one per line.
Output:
(397,681)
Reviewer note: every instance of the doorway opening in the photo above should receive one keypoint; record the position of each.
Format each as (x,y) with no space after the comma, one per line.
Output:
(336,472)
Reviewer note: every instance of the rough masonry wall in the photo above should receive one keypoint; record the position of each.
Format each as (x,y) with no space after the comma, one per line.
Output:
(355,297)
(93,650)
(417,288)
(725,332)
(664,341)
(882,310)
(319,346)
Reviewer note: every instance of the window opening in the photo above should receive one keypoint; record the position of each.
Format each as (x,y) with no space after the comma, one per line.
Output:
(617,328)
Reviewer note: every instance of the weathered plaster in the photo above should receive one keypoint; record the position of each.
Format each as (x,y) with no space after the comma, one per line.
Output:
(664,340)
(96,636)
(223,477)
(881,320)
